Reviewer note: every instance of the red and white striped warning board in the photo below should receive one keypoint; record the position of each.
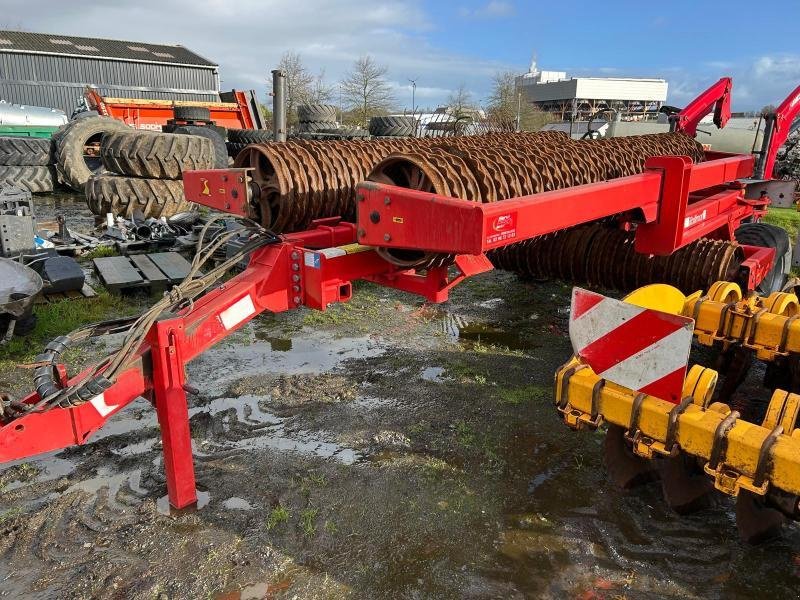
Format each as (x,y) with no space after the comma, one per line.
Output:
(639,348)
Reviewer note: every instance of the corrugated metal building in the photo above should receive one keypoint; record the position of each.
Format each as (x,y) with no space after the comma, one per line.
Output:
(582,96)
(53,70)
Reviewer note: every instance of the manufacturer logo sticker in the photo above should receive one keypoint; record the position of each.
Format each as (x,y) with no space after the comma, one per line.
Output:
(503,227)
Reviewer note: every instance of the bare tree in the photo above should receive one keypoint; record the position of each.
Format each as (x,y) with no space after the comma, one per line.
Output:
(506,101)
(460,101)
(365,89)
(320,91)
(298,82)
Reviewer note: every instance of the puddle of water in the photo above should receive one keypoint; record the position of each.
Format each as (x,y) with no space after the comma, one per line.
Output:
(461,329)
(136,448)
(311,352)
(106,478)
(163,505)
(433,374)
(276,344)
(234,503)
(247,409)
(270,433)
(50,468)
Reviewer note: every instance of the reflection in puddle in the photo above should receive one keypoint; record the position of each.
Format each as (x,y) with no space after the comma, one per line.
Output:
(163,506)
(113,481)
(311,352)
(270,432)
(433,374)
(459,329)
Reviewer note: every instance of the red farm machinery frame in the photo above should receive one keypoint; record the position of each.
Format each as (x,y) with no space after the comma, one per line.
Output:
(671,204)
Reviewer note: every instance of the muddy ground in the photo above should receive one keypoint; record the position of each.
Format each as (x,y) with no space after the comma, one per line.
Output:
(384,449)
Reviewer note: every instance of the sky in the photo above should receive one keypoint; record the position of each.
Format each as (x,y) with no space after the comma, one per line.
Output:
(443,45)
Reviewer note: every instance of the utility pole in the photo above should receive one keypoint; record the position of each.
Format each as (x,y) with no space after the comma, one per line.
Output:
(519,111)
(413,97)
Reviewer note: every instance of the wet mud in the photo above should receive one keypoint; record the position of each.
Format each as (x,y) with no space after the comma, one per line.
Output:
(384,449)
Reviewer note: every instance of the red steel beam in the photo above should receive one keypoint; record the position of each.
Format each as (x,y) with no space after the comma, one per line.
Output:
(660,198)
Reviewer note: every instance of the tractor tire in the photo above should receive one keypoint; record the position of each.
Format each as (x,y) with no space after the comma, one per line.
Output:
(220,151)
(316,126)
(70,142)
(191,113)
(121,196)
(392,126)
(25,151)
(769,236)
(37,180)
(316,112)
(234,148)
(155,155)
(249,136)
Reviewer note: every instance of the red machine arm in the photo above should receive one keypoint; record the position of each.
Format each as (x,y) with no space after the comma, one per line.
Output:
(778,125)
(716,98)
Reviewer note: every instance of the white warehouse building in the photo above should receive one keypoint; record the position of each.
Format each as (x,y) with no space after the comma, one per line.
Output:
(580,97)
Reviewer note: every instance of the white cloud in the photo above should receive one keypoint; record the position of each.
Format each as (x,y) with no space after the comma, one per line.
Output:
(495,9)
(756,82)
(247,37)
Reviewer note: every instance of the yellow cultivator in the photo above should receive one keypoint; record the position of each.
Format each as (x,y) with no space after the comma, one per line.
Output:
(692,436)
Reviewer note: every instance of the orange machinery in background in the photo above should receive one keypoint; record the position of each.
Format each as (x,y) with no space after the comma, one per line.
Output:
(239,110)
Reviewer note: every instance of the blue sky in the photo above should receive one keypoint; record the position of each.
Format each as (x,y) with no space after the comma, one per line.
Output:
(445,44)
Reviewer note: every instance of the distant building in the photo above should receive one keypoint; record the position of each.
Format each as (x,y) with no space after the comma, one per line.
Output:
(53,70)
(580,97)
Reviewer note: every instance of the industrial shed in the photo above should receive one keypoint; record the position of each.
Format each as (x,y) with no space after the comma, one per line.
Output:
(580,97)
(53,70)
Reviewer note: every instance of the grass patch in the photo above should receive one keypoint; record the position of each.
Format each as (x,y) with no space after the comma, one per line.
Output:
(100,252)
(788,218)
(465,434)
(279,514)
(524,394)
(308,521)
(330,527)
(10,514)
(62,317)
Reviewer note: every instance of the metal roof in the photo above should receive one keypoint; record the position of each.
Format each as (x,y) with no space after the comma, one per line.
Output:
(67,45)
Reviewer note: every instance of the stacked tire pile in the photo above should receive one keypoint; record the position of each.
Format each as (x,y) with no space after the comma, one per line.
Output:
(27,163)
(317,118)
(393,126)
(77,149)
(238,139)
(145,170)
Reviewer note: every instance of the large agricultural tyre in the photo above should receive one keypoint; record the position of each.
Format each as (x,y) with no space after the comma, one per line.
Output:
(220,151)
(234,148)
(191,113)
(316,112)
(316,126)
(392,126)
(250,136)
(769,236)
(155,155)
(121,195)
(36,179)
(76,144)
(25,151)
